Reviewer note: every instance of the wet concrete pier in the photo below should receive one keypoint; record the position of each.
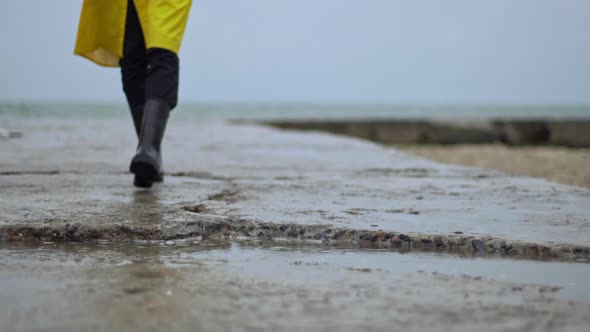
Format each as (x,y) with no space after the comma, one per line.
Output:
(258,286)
(66,181)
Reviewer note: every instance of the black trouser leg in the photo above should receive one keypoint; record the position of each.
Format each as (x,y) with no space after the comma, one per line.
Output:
(145,73)
(134,66)
(162,76)
(150,82)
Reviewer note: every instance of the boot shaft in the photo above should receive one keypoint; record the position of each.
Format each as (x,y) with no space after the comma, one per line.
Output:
(137,116)
(153,124)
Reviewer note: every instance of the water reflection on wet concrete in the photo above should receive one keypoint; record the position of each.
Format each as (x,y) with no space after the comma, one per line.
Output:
(144,286)
(294,261)
(146,207)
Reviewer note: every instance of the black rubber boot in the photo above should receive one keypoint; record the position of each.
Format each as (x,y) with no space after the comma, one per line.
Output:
(147,163)
(137,115)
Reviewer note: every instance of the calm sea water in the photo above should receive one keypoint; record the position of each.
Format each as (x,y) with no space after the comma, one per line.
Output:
(237,111)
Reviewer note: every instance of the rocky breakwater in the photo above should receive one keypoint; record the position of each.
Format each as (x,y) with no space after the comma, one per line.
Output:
(570,133)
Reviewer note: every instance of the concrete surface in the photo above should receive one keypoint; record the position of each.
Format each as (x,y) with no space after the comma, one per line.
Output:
(256,229)
(68,180)
(277,287)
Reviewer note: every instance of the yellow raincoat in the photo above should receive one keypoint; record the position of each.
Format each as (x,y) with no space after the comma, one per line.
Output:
(101,31)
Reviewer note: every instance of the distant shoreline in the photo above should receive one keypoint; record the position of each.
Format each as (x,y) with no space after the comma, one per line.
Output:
(302,111)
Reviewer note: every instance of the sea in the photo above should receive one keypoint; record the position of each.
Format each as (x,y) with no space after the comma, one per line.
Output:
(221,111)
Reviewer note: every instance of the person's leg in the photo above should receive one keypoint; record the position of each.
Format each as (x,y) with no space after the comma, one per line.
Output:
(162,76)
(134,66)
(161,97)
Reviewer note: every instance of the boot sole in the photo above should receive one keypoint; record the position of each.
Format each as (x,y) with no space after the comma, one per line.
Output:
(142,182)
(145,172)
(160,178)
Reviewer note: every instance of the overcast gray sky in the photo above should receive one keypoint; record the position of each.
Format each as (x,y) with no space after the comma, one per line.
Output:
(376,51)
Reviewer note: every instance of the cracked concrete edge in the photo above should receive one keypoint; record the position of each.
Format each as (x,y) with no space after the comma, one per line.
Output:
(237,228)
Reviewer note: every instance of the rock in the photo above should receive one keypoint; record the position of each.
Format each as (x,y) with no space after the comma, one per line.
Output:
(478,245)
(5,133)
(405,238)
(575,133)
(396,243)
(362,130)
(170,243)
(523,132)
(570,133)
(455,132)
(426,241)
(199,208)
(397,132)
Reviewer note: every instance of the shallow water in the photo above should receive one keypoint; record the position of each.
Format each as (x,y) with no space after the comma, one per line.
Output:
(269,286)
(300,262)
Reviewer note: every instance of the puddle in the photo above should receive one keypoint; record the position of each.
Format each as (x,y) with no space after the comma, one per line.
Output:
(569,280)
(269,286)
(302,262)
